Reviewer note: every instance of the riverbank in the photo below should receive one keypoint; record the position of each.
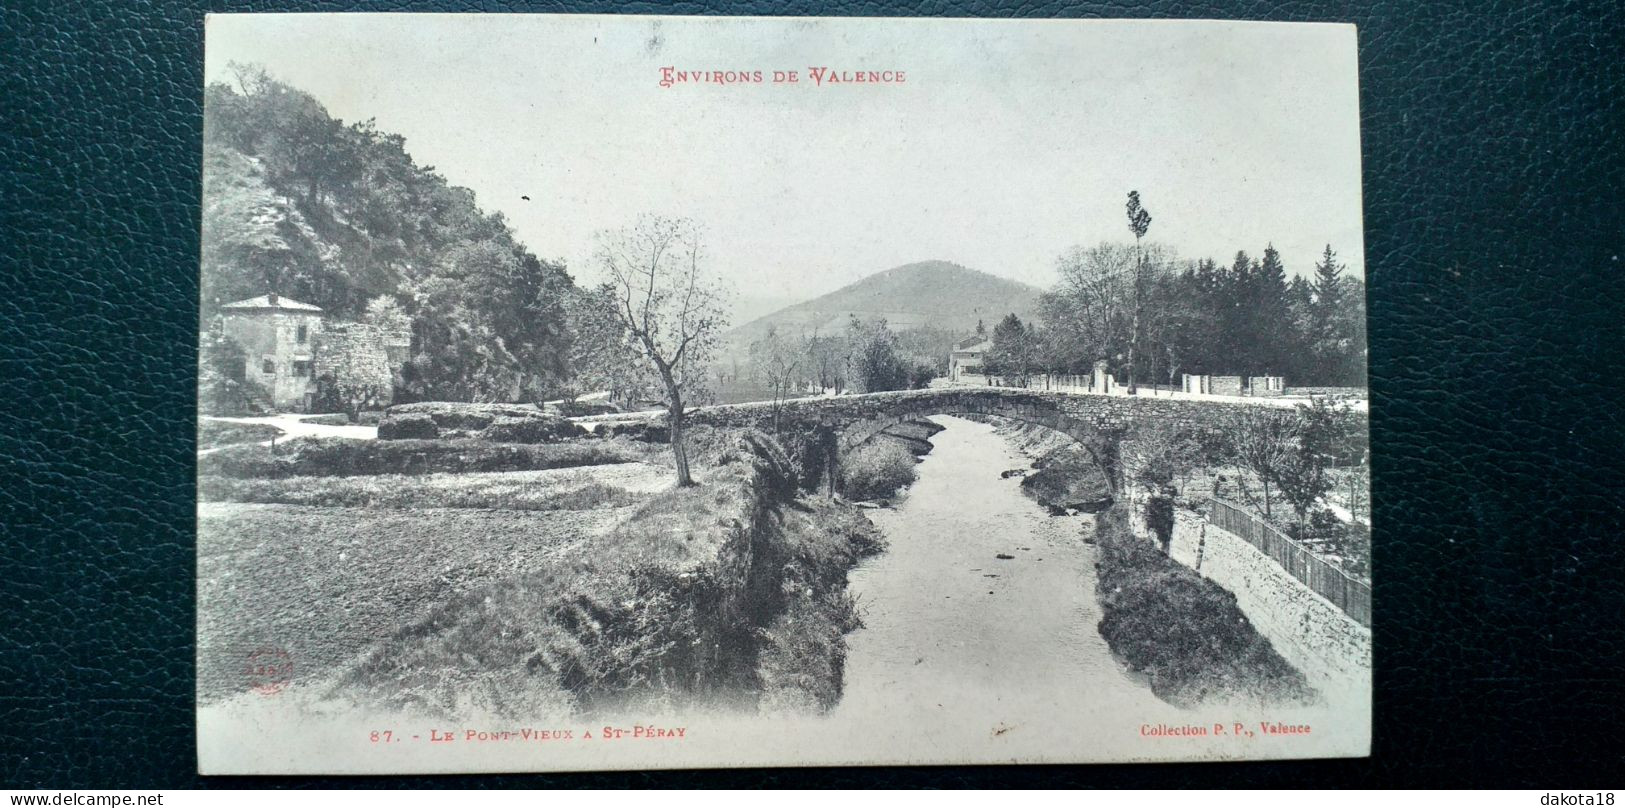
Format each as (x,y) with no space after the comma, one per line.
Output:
(728,594)
(1186,634)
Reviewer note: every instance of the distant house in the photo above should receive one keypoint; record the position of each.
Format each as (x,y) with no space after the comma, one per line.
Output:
(969,357)
(278,336)
(281,347)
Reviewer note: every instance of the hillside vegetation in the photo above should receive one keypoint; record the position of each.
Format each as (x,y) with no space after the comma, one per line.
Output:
(340,216)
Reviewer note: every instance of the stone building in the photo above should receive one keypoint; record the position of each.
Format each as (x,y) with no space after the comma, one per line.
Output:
(969,357)
(278,337)
(282,347)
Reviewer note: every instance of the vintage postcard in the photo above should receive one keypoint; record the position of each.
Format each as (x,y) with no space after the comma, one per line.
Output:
(596,392)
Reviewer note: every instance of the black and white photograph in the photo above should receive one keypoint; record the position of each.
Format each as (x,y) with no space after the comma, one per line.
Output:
(585,392)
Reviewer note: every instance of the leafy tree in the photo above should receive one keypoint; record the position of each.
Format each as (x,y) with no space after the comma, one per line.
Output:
(670,305)
(1324,433)
(603,357)
(876,365)
(1014,353)
(1088,311)
(920,376)
(222,386)
(1139,221)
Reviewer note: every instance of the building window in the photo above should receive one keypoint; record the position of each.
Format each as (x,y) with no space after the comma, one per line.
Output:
(269,366)
(301,333)
(301,369)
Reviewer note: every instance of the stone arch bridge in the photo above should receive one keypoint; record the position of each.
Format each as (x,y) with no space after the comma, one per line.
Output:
(1099,423)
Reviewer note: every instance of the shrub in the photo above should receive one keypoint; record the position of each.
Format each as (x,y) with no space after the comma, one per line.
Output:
(332,419)
(877,470)
(500,423)
(462,415)
(408,426)
(575,409)
(365,418)
(1159,517)
(645,431)
(531,429)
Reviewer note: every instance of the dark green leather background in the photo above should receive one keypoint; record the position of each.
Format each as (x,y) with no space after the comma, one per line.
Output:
(1493,182)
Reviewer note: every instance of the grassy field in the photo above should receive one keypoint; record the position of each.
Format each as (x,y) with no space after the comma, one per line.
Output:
(340,457)
(547,490)
(323,583)
(322,567)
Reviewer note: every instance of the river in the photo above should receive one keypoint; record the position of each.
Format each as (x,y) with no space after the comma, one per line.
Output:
(959,641)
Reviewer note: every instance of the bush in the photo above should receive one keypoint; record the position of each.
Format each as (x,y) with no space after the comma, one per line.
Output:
(877,470)
(408,426)
(920,376)
(331,419)
(339,457)
(366,418)
(531,429)
(462,415)
(645,431)
(500,423)
(1159,517)
(576,409)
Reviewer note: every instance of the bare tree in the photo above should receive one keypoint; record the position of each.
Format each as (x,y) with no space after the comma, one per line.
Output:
(776,364)
(669,304)
(1262,439)
(1093,299)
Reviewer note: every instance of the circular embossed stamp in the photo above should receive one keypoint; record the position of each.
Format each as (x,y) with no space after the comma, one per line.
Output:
(268,670)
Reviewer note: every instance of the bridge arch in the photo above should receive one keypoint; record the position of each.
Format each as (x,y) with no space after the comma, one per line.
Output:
(1099,423)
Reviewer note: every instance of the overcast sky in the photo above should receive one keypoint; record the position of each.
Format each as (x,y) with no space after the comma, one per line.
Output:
(1006,143)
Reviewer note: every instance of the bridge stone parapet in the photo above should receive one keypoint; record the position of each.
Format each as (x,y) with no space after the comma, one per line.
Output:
(1097,422)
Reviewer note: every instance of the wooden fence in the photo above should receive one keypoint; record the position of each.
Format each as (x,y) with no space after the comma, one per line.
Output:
(1351,595)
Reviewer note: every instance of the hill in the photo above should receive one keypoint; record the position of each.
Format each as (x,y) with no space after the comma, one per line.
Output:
(340,216)
(935,295)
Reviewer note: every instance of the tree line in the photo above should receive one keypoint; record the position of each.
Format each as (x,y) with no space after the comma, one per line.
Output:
(1153,316)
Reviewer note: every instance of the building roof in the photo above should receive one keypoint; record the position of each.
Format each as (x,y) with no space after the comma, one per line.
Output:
(973,345)
(270,303)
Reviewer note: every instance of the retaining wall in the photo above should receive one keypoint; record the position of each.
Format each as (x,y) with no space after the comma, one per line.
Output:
(1307,630)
